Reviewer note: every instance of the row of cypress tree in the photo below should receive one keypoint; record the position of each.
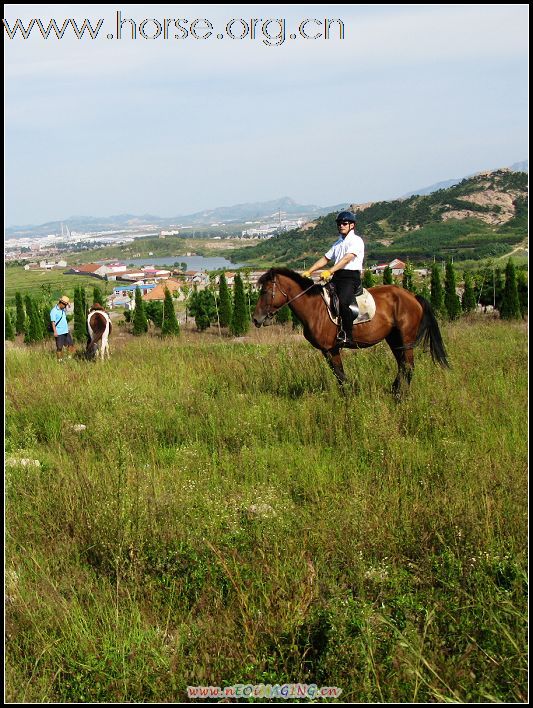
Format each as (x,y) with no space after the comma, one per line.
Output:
(32,316)
(508,293)
(163,316)
(212,306)
(489,287)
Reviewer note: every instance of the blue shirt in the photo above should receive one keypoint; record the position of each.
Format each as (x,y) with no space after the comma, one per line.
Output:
(59,316)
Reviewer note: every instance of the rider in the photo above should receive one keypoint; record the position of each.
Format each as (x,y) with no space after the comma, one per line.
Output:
(347,253)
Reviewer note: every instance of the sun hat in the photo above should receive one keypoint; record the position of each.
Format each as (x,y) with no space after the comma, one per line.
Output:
(64,299)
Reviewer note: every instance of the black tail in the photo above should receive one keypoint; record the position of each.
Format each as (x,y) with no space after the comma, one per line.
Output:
(429,333)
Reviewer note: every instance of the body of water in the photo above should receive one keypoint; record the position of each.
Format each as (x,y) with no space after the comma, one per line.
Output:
(193,262)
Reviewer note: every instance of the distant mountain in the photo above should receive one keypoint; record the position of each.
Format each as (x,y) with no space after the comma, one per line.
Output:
(238,213)
(516,167)
(483,216)
(433,188)
(252,211)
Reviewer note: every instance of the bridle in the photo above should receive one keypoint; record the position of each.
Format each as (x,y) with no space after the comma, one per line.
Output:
(272,312)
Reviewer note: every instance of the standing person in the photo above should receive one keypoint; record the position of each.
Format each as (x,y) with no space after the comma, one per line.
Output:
(58,319)
(347,253)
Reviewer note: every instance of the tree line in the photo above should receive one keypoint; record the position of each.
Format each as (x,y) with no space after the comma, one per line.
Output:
(506,291)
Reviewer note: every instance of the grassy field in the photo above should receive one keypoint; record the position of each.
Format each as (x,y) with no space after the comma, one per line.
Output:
(169,247)
(228,517)
(50,284)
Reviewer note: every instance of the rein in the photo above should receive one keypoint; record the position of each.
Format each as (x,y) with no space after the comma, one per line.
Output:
(271,314)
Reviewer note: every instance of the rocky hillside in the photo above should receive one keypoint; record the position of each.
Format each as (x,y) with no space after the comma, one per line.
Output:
(484,215)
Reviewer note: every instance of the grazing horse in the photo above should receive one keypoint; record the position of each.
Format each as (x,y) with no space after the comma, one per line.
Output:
(99,326)
(402,319)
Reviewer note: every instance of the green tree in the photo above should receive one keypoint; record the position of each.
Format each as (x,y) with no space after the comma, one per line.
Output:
(224,301)
(368,279)
(84,305)
(202,307)
(28,307)
(9,330)
(510,305)
(468,300)
(34,331)
(407,278)
(98,296)
(80,320)
(523,291)
(499,287)
(437,293)
(425,292)
(251,296)
(45,318)
(240,320)
(140,323)
(170,326)
(154,312)
(387,276)
(20,322)
(451,299)
(283,315)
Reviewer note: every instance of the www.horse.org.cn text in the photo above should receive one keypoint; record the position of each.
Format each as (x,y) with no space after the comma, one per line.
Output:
(273,32)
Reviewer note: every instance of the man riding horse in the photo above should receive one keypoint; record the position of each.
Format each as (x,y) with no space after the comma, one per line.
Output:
(347,253)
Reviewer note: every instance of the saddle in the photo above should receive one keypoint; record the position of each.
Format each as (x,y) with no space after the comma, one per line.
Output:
(363,301)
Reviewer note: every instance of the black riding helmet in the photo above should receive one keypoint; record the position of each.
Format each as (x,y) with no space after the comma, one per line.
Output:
(346,216)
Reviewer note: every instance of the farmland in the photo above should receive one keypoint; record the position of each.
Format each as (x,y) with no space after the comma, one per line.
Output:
(227,516)
(47,284)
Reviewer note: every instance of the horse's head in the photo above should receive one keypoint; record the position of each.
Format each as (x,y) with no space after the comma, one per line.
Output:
(271,298)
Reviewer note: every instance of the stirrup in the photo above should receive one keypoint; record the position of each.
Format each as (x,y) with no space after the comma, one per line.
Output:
(342,337)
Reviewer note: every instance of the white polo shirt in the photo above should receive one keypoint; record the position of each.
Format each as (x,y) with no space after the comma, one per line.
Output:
(352,243)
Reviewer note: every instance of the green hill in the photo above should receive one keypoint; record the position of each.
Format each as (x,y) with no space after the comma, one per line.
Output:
(482,216)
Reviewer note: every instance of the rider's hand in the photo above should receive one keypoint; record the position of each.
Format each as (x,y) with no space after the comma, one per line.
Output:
(325,275)
(306,274)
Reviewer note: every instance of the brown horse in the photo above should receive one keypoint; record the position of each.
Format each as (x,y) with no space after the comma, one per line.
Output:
(402,319)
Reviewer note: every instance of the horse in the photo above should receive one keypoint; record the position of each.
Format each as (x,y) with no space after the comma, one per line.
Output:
(402,319)
(99,327)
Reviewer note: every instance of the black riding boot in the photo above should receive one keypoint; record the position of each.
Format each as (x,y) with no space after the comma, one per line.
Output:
(345,334)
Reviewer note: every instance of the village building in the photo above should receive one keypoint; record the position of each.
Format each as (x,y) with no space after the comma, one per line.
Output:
(158,292)
(95,269)
(52,264)
(397,266)
(124,295)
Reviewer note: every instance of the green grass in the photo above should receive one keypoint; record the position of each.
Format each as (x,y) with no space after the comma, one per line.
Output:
(227,516)
(50,284)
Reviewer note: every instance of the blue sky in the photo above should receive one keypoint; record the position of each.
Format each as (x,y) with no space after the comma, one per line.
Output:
(413,95)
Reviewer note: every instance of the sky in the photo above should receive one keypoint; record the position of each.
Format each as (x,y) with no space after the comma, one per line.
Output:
(410,96)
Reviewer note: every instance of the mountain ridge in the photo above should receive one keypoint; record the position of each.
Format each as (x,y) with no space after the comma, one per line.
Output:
(483,216)
(236,213)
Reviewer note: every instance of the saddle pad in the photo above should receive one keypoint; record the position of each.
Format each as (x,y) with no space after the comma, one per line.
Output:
(365,303)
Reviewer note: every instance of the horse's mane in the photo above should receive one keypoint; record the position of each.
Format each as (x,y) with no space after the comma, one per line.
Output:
(300,280)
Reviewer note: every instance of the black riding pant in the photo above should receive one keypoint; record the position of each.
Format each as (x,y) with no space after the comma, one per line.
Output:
(347,283)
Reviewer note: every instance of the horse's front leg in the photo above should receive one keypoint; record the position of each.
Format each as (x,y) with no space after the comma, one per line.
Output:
(333,357)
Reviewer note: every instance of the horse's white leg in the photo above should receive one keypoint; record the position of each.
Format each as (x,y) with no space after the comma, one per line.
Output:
(104,346)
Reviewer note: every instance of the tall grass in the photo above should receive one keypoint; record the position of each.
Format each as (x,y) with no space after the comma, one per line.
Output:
(229,517)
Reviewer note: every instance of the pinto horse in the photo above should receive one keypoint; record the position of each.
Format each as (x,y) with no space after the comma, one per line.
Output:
(99,327)
(402,319)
